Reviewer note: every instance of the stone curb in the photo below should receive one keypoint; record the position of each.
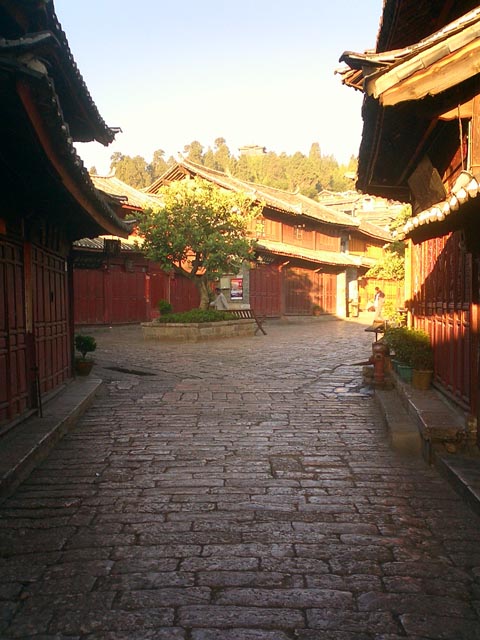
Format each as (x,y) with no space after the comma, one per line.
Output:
(423,423)
(30,442)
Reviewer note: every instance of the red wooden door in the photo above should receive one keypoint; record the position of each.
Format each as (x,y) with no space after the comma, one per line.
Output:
(324,292)
(298,291)
(89,292)
(13,347)
(127,291)
(442,300)
(50,318)
(265,290)
(305,288)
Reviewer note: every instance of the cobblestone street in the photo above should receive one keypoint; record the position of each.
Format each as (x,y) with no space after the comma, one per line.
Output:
(237,490)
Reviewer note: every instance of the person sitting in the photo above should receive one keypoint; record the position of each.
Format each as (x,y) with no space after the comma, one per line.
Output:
(220,302)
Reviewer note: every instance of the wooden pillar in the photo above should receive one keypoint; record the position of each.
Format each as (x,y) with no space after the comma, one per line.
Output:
(408,280)
(71,312)
(30,355)
(147,297)
(474,144)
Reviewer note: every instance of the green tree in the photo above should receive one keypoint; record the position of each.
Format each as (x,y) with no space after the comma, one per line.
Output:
(194,152)
(392,265)
(133,171)
(158,166)
(200,232)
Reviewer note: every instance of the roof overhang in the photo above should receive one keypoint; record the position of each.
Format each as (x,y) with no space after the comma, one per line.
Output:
(31,34)
(447,215)
(332,258)
(40,171)
(410,94)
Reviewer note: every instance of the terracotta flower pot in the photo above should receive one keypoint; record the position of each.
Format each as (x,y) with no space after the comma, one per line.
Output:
(83,367)
(421,379)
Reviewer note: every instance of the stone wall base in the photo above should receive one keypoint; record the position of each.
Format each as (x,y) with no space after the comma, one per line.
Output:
(198,332)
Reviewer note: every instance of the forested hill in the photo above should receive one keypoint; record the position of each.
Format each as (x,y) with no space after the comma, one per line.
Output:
(307,174)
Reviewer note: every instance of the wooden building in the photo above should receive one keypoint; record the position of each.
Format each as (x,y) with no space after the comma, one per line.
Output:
(113,281)
(421,144)
(308,257)
(48,202)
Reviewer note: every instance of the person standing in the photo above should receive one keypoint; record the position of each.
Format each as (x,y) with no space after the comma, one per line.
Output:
(378,302)
(220,302)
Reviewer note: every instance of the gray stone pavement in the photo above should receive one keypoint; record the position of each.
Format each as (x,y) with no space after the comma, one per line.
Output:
(237,490)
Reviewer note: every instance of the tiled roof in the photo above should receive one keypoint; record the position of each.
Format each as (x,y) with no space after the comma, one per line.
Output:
(291,203)
(130,196)
(39,91)
(97,244)
(382,71)
(313,255)
(73,85)
(424,65)
(466,187)
(374,231)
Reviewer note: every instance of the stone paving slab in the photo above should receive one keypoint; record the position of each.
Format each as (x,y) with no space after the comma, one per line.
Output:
(26,445)
(245,491)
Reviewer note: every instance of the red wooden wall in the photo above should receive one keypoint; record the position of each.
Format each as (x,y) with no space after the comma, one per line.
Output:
(442,306)
(34,325)
(275,291)
(50,318)
(266,290)
(119,294)
(13,342)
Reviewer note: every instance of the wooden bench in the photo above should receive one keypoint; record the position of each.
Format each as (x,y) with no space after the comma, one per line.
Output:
(248,314)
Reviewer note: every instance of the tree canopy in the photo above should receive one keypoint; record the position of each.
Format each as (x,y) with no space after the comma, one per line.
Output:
(392,265)
(200,232)
(136,171)
(308,175)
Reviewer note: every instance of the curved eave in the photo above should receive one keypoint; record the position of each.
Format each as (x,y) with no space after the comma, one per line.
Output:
(277,200)
(331,258)
(88,115)
(442,217)
(30,105)
(39,33)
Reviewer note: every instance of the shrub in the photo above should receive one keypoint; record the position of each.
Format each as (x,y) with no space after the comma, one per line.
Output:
(164,307)
(422,351)
(195,315)
(411,346)
(397,339)
(391,313)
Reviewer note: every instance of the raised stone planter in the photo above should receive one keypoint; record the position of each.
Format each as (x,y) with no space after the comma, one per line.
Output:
(198,332)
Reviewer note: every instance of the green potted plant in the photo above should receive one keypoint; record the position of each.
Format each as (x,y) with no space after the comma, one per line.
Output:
(422,360)
(84,344)
(396,339)
(401,341)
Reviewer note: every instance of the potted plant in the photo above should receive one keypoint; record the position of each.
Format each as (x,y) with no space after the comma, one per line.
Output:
(401,341)
(422,362)
(84,344)
(396,338)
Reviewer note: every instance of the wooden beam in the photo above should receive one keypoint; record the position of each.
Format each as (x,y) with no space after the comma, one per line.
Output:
(450,70)
(475,137)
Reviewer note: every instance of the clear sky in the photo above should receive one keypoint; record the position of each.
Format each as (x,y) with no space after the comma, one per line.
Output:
(250,71)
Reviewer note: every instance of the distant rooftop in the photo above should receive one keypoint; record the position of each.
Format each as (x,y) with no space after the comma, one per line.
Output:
(252,150)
